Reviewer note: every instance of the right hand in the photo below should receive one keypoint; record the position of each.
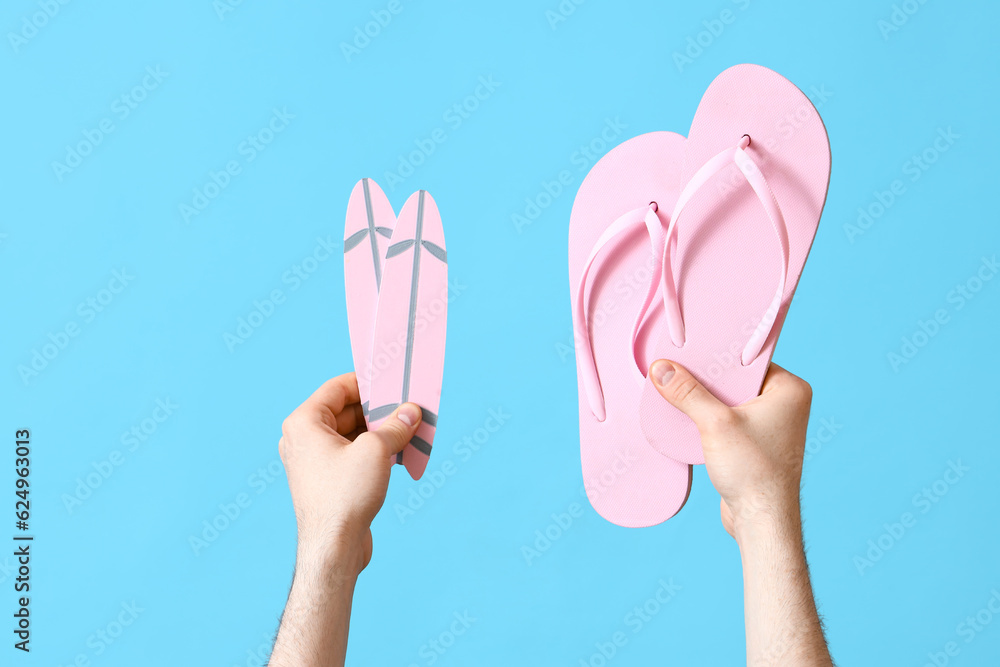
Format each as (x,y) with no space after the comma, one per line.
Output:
(754,451)
(338,472)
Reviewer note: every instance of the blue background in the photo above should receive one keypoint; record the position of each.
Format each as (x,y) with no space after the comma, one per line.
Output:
(509,349)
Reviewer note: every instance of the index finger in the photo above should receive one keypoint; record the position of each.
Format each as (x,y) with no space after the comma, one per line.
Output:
(334,395)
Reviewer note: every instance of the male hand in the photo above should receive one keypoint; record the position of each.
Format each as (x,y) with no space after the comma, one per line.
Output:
(338,473)
(753,452)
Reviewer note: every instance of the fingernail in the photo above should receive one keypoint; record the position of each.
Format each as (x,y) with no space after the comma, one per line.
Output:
(661,371)
(409,414)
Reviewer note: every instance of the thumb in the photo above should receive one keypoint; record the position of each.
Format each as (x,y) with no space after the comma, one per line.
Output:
(400,427)
(683,391)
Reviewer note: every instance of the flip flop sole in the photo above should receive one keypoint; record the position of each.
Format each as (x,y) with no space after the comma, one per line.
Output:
(410,326)
(627,482)
(728,259)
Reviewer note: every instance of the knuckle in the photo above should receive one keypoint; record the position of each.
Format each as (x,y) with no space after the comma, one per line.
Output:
(684,389)
(394,432)
(288,425)
(297,422)
(802,391)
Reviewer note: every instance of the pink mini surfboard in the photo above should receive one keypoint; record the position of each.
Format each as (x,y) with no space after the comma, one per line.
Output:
(370,221)
(407,362)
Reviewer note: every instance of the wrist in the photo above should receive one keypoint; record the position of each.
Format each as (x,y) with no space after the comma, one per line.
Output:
(338,554)
(326,569)
(768,518)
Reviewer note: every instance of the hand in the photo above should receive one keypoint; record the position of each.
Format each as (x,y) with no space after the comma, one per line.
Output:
(753,452)
(338,473)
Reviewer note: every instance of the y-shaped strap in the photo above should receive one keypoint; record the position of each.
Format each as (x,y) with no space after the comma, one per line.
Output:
(753,175)
(607,247)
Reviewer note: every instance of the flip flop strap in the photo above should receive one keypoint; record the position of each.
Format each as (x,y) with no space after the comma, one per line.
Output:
(607,247)
(752,173)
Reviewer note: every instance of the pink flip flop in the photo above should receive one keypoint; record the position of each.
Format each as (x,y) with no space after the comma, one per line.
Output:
(615,238)
(756,173)
(370,221)
(407,362)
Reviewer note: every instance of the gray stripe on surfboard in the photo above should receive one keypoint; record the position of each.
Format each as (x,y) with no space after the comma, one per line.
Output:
(421,445)
(384,231)
(371,233)
(364,408)
(354,239)
(436,250)
(374,414)
(381,411)
(397,248)
(411,325)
